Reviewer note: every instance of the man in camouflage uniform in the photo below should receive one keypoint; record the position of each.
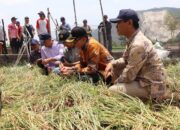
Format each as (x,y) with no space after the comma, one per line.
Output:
(139,72)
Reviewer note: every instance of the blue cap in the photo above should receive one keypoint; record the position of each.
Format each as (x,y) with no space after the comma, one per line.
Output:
(126,14)
(34,42)
(45,37)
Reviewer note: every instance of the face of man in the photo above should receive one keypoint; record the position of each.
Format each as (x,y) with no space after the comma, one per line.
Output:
(85,22)
(79,42)
(35,47)
(62,21)
(14,21)
(41,16)
(105,18)
(123,27)
(48,43)
(27,21)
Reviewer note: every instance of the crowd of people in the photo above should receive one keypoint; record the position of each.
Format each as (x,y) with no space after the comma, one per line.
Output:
(139,72)
(17,32)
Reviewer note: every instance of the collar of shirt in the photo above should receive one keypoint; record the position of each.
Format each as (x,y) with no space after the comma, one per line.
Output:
(84,48)
(27,24)
(132,37)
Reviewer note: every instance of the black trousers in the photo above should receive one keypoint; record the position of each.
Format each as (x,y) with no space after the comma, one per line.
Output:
(40,65)
(94,78)
(15,46)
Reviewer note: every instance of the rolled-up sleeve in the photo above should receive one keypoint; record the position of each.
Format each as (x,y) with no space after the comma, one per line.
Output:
(135,61)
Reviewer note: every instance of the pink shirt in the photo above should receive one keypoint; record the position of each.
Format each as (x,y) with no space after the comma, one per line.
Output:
(13,31)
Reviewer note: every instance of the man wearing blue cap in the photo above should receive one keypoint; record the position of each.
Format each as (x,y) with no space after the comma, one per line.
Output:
(139,72)
(51,53)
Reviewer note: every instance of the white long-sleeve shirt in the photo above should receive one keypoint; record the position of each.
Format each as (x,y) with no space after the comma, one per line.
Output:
(56,52)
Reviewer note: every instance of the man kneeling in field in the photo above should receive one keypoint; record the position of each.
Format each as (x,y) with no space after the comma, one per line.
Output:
(140,71)
(94,57)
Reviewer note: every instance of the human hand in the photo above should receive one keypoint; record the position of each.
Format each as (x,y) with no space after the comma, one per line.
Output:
(45,61)
(67,71)
(108,70)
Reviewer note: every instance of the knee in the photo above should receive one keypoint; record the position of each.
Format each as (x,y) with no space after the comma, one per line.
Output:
(39,63)
(119,88)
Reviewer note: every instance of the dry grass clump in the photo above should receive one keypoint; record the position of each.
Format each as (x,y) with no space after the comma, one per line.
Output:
(32,101)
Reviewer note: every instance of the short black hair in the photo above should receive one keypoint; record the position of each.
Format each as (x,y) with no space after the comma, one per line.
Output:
(78,32)
(62,19)
(135,24)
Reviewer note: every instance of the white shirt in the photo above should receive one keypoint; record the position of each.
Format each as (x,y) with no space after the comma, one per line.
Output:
(42,26)
(56,51)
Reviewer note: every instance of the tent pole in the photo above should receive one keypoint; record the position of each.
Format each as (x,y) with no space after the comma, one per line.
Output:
(75,12)
(102,13)
(48,15)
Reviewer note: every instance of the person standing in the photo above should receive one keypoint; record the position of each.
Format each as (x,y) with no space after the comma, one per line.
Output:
(64,25)
(13,35)
(42,26)
(106,32)
(20,34)
(28,32)
(2,40)
(140,72)
(28,29)
(87,27)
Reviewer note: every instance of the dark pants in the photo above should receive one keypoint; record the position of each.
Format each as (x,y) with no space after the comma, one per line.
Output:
(94,78)
(108,43)
(44,68)
(15,46)
(34,57)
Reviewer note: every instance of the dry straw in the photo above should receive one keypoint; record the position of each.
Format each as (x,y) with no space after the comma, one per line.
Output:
(32,101)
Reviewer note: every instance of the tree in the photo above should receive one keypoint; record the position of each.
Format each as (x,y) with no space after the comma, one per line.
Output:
(170,23)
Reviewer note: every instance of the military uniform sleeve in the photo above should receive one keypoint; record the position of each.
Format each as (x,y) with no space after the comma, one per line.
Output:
(120,61)
(135,61)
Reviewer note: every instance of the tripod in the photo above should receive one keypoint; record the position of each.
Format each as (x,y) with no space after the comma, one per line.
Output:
(25,47)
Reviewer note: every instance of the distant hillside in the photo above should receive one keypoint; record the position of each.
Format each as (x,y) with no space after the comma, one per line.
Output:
(174,11)
(152,24)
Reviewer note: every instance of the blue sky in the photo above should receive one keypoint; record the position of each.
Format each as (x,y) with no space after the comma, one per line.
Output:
(86,9)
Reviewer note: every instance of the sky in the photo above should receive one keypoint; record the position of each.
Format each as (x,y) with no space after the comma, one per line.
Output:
(86,9)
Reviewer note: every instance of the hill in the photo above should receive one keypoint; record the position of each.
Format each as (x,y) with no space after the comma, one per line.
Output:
(152,24)
(174,11)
